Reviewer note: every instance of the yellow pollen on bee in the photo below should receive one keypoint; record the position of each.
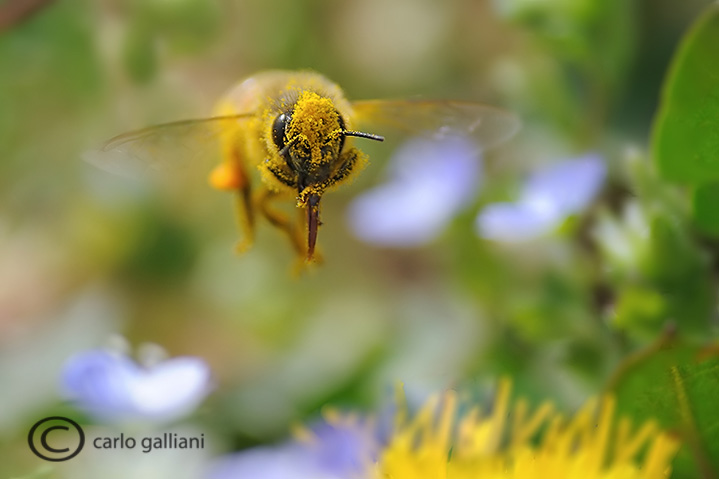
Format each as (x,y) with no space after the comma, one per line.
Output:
(315,119)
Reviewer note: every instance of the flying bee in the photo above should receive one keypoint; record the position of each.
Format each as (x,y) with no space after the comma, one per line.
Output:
(297,129)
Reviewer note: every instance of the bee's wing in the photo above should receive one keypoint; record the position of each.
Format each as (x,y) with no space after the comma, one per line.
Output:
(486,125)
(167,146)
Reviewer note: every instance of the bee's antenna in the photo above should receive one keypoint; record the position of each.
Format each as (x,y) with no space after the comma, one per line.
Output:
(360,134)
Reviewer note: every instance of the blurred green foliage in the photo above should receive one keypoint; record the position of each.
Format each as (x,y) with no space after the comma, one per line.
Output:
(595,43)
(564,316)
(675,383)
(704,201)
(184,27)
(685,140)
(49,73)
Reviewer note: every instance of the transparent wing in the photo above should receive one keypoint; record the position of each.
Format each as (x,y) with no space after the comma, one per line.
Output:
(167,146)
(486,125)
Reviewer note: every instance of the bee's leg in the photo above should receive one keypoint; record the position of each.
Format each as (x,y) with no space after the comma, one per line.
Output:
(245,217)
(232,176)
(352,162)
(281,221)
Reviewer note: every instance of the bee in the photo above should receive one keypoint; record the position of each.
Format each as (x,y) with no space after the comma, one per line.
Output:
(297,130)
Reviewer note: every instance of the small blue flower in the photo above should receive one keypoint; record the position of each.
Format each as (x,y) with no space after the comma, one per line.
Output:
(113,388)
(547,199)
(337,448)
(343,445)
(287,461)
(429,182)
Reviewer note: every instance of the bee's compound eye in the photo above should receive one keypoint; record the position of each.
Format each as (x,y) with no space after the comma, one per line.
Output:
(278,129)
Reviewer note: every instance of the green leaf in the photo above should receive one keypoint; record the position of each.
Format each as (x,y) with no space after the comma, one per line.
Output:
(139,53)
(639,309)
(675,282)
(685,139)
(705,211)
(677,384)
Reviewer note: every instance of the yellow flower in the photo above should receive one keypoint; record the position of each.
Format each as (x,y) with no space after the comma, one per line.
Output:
(511,443)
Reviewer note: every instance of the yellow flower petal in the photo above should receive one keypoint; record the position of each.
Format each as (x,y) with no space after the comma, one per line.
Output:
(436,444)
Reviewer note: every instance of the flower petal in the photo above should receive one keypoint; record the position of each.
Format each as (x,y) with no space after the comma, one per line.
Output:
(97,381)
(281,462)
(396,215)
(111,387)
(344,446)
(430,180)
(547,199)
(339,446)
(514,222)
(567,187)
(171,389)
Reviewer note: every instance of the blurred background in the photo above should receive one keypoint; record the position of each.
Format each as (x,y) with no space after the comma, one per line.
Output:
(87,256)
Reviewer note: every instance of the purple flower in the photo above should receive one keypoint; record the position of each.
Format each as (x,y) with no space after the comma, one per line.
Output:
(429,182)
(280,462)
(334,449)
(343,445)
(547,199)
(113,388)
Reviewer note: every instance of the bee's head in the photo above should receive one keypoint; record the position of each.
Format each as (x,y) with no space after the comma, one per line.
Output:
(310,137)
